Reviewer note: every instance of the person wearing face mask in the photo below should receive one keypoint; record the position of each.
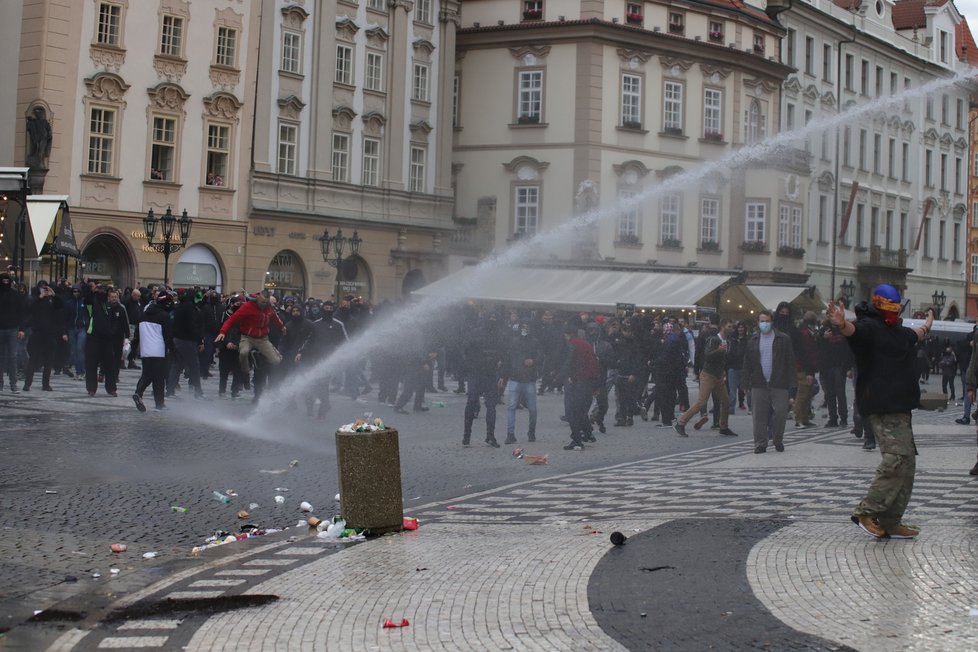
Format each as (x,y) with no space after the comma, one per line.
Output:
(227,354)
(769,371)
(188,342)
(108,326)
(631,377)
(609,372)
(323,336)
(886,394)
(520,366)
(256,319)
(47,325)
(711,379)
(12,314)
(670,373)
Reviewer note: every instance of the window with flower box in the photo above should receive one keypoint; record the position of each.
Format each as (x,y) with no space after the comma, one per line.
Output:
(758,43)
(789,229)
(633,13)
(672,108)
(631,101)
(677,22)
(532,9)
(716,31)
(755,224)
(669,216)
(710,223)
(713,114)
(529,103)
(628,218)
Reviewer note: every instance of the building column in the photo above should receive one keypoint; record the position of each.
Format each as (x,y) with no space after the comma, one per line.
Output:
(397,95)
(445,130)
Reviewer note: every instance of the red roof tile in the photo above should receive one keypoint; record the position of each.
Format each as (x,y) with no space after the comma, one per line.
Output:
(908,14)
(964,43)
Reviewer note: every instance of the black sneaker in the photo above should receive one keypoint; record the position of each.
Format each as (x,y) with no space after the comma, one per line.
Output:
(531,438)
(831,423)
(681,429)
(779,448)
(589,438)
(963,421)
(492,442)
(974,469)
(573,446)
(510,439)
(138,400)
(760,449)
(727,432)
(466,442)
(601,427)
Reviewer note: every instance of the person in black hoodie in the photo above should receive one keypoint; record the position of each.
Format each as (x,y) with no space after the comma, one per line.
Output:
(321,338)
(887,392)
(12,314)
(107,325)
(46,320)
(156,337)
(521,366)
(188,341)
(227,354)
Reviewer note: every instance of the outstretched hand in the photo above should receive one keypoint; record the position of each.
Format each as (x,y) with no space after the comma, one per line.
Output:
(836,313)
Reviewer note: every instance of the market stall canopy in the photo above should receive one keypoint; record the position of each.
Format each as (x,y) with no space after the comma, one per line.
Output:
(50,226)
(579,289)
(801,296)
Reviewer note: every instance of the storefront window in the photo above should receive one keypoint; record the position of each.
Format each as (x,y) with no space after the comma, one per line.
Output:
(286,275)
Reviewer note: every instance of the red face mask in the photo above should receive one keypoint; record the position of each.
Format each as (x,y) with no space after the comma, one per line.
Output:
(891,318)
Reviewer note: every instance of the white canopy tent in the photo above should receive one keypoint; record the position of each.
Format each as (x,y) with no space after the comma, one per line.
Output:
(579,289)
(769,296)
(42,211)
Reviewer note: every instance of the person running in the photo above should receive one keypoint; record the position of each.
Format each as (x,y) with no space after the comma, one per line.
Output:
(886,393)
(255,319)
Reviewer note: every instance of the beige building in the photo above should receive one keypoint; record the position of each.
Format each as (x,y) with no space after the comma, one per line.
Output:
(353,134)
(570,106)
(146,103)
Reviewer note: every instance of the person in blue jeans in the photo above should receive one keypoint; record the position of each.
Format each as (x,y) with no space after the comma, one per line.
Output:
(520,366)
(76,325)
(12,315)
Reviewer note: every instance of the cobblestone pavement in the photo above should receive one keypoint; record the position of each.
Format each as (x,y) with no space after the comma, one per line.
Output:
(526,564)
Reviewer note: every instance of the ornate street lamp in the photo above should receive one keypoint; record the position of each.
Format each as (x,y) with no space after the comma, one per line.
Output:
(938,299)
(166,245)
(848,290)
(334,246)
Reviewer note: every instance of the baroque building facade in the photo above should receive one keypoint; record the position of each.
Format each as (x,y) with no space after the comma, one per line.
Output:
(905,168)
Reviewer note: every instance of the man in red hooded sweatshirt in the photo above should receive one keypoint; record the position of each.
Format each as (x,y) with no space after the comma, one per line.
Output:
(254,319)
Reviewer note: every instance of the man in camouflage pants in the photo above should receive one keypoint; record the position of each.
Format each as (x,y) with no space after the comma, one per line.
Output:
(971,382)
(886,392)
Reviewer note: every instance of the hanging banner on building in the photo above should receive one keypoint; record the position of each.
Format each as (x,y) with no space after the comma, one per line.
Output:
(923,220)
(848,213)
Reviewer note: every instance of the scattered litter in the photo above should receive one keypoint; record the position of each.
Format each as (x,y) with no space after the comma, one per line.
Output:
(150,555)
(390,623)
(38,611)
(292,465)
(364,425)
(333,530)
(643,614)
(618,538)
(518,453)
(653,569)
(451,507)
(70,579)
(243,515)
(217,495)
(114,571)
(306,507)
(336,497)
(410,523)
(973,612)
(252,506)
(178,509)
(312,521)
(439,404)
(464,487)
(231,492)
(279,500)
(292,539)
(726,613)
(423,568)
(282,489)
(197,550)
(50,491)
(119,547)
(96,575)
(536,459)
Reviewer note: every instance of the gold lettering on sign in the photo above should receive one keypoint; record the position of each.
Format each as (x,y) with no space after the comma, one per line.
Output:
(138,235)
(263,230)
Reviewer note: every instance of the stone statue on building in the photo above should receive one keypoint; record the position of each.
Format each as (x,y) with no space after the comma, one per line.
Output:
(39,139)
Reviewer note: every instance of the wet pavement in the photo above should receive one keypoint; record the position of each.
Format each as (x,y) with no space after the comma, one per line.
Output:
(726,549)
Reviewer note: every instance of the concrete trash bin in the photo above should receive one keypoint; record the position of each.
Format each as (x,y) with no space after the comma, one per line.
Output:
(369,465)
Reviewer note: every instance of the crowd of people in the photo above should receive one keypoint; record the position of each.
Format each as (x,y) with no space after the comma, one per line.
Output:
(773,367)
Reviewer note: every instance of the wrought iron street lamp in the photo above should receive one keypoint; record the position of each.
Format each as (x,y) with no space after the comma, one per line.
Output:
(334,251)
(166,244)
(938,299)
(848,290)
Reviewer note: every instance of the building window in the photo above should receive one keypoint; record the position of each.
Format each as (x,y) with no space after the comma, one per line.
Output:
(789,226)
(862,149)
(847,147)
(713,114)
(928,168)
(891,159)
(823,217)
(893,83)
(417,173)
(956,243)
(672,108)
(101,140)
(379,5)
(926,251)
(958,164)
(789,46)
(288,140)
(974,268)
(456,87)
(809,55)
(344,65)
(879,81)
(860,224)
(942,239)
(628,217)
(756,122)
(945,110)
(929,108)
(874,226)
(109,28)
(756,222)
(877,154)
(374,74)
(529,105)
(716,31)
(532,9)
(341,158)
(943,41)
(527,210)
(888,233)
(163,151)
(633,13)
(218,154)
(827,62)
(944,172)
(709,221)
(226,47)
(371,162)
(677,22)
(974,215)
(864,77)
(631,101)
(171,36)
(292,52)
(905,163)
(758,43)
(419,86)
(789,117)
(669,216)
(850,65)
(904,224)
(422,11)
(959,114)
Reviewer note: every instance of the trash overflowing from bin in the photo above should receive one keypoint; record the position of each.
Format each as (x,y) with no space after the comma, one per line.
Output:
(364,425)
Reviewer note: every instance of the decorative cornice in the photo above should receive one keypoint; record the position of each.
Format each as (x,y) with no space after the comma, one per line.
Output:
(909,127)
(811,93)
(791,87)
(346,27)
(294,16)
(675,65)
(167,95)
(423,45)
(450,16)
(632,165)
(961,143)
(535,51)
(108,57)
(373,123)
(227,17)
(894,122)
(523,161)
(344,113)
(946,139)
(224,78)
(828,100)
(377,34)
(709,71)
(761,85)
(420,128)
(628,55)
(223,106)
(931,136)
(106,86)
(290,107)
(175,7)
(171,69)
(669,171)
(406,5)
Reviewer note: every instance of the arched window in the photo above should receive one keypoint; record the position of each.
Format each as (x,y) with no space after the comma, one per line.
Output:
(756,120)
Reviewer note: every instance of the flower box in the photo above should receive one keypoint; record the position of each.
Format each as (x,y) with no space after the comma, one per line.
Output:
(671,243)
(716,36)
(533,14)
(791,252)
(676,28)
(631,124)
(633,18)
(528,119)
(710,245)
(673,131)
(758,49)
(755,246)
(628,238)
(713,136)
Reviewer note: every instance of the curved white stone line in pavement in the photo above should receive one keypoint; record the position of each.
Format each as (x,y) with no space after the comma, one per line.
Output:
(833,581)
(485,587)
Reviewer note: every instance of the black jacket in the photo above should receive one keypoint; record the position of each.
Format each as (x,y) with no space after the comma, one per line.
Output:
(12,309)
(187,322)
(522,349)
(886,370)
(107,320)
(784,374)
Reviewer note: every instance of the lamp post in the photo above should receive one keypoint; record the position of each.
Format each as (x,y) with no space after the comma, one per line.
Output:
(333,247)
(848,290)
(938,299)
(166,245)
